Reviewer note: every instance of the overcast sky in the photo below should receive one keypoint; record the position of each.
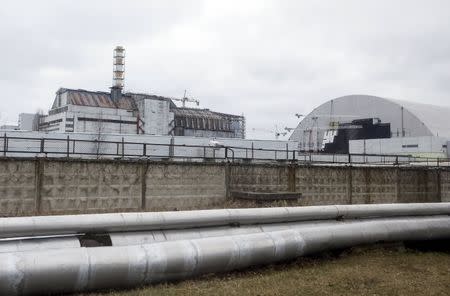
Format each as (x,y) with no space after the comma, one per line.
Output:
(266,59)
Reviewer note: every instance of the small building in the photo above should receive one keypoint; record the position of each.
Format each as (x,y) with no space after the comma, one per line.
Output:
(28,121)
(9,127)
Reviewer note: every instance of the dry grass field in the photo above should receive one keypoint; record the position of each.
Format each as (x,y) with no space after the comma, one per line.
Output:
(379,270)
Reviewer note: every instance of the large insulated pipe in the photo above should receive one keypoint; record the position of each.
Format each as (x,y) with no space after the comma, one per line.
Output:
(156,236)
(35,244)
(83,269)
(102,223)
(143,237)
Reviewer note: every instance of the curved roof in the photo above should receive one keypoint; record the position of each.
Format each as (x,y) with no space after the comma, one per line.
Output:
(413,118)
(436,118)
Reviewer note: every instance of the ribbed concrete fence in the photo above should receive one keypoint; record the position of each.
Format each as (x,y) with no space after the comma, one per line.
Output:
(52,186)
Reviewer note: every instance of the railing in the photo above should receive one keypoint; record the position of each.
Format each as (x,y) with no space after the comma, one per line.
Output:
(11,146)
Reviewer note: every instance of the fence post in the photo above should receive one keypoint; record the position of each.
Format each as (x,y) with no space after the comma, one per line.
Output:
(68,146)
(172,147)
(42,145)
(350,185)
(226,152)
(5,146)
(287,151)
(144,149)
(123,147)
(349,158)
(253,153)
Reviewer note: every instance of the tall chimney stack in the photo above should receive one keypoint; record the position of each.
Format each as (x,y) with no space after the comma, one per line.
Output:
(118,72)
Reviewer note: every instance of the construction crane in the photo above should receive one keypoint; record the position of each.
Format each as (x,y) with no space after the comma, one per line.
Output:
(186,99)
(274,132)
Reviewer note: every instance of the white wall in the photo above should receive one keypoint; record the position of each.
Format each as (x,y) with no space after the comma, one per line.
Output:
(26,121)
(416,146)
(157,117)
(241,147)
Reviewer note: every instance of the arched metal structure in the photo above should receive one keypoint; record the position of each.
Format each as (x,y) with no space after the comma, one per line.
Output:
(406,119)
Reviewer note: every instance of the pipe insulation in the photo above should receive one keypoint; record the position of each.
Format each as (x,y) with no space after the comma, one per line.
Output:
(156,236)
(23,245)
(85,269)
(107,223)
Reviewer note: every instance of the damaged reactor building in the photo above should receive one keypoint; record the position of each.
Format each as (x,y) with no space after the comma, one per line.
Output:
(83,111)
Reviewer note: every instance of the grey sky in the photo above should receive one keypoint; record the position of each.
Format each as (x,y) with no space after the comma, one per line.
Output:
(266,59)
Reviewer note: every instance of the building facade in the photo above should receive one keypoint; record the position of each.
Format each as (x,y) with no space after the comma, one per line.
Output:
(82,111)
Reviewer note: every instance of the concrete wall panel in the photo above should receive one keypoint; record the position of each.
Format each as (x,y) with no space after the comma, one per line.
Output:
(17,187)
(172,186)
(80,187)
(322,185)
(445,186)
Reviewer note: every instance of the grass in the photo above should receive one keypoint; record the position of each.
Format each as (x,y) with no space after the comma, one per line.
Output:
(359,271)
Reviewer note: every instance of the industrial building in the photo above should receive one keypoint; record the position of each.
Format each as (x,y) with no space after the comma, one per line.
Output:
(27,122)
(365,124)
(83,111)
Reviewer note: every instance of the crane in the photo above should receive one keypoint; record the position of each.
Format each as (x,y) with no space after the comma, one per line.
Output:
(275,132)
(186,99)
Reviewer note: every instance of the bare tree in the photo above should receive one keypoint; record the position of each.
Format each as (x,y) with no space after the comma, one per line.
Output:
(99,130)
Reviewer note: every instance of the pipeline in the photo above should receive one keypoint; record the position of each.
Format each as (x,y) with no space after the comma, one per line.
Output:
(109,223)
(34,244)
(86,269)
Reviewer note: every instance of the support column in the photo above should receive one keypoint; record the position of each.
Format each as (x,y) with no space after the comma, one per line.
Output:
(350,185)
(292,178)
(439,184)
(143,172)
(39,176)
(397,185)
(227,181)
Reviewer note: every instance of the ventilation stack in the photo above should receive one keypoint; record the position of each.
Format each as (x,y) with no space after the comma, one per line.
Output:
(118,72)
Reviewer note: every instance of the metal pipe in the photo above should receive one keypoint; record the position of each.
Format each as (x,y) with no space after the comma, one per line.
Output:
(155,236)
(107,223)
(35,244)
(84,269)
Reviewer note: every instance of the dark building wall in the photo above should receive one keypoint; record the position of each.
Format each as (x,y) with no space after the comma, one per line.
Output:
(359,129)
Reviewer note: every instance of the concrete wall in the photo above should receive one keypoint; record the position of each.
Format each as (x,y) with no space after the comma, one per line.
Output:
(170,186)
(445,186)
(322,185)
(57,186)
(17,187)
(71,186)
